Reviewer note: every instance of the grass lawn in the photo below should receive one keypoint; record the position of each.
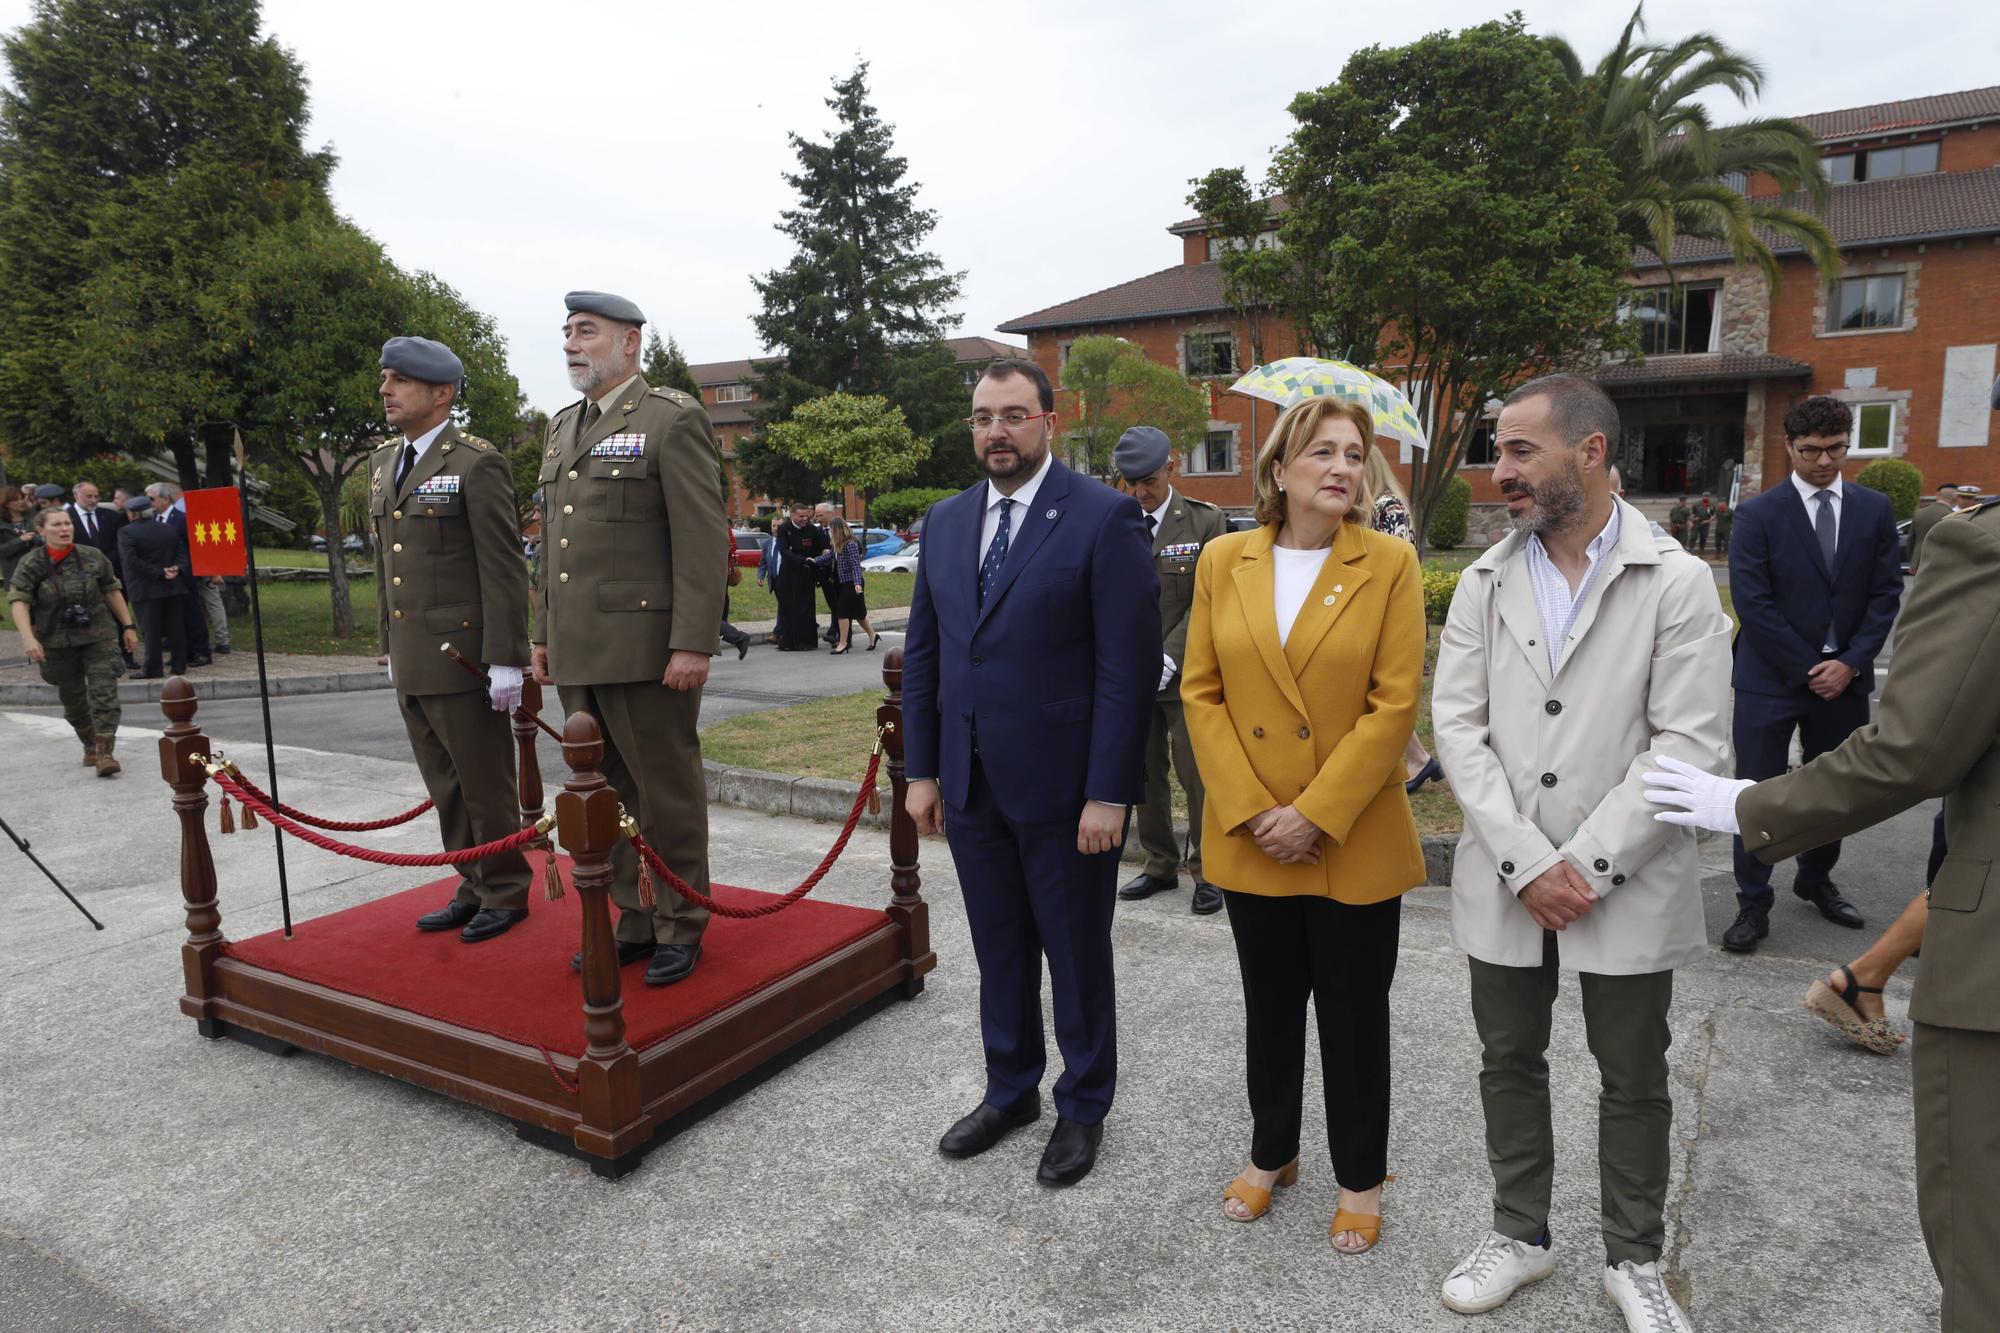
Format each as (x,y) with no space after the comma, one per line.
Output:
(750,601)
(287,557)
(298,618)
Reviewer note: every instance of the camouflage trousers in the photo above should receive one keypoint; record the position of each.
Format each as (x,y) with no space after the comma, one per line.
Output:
(86,677)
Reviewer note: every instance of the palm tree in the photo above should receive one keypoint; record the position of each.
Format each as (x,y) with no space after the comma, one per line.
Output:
(1675,164)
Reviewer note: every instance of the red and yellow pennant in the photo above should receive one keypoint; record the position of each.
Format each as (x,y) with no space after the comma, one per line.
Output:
(217,541)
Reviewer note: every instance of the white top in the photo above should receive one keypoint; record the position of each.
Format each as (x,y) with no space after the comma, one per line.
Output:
(1296,571)
(1555,601)
(423,442)
(990,522)
(1155,517)
(1807,491)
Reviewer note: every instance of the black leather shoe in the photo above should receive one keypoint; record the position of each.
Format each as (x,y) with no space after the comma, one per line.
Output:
(1831,905)
(671,963)
(449,917)
(1432,771)
(742,649)
(629,952)
(1072,1151)
(986,1126)
(491,922)
(1145,886)
(1207,898)
(1750,926)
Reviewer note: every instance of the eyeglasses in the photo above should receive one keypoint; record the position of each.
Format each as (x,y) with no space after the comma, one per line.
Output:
(981,421)
(1813,453)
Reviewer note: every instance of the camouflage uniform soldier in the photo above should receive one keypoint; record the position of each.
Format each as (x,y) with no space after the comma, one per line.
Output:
(1677,521)
(71,612)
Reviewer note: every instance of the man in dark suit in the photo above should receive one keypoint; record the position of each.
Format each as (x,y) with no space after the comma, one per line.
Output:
(154,556)
(96,525)
(1030,665)
(1816,573)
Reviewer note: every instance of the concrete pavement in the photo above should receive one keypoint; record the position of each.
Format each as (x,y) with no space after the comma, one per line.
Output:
(159,1181)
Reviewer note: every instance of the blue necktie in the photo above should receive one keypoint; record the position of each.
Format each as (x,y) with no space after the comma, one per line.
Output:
(1823,529)
(996,553)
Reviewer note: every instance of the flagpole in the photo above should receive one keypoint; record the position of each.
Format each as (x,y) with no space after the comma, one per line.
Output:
(263,681)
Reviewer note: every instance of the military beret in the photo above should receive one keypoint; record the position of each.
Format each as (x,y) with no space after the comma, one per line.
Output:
(48,490)
(423,359)
(1141,452)
(137,503)
(605,304)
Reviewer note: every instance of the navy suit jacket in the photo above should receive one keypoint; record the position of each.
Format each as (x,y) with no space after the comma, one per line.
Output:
(1786,597)
(1054,677)
(145,548)
(109,521)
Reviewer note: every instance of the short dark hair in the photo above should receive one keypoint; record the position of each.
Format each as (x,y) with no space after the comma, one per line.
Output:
(1577,406)
(1820,416)
(1007,367)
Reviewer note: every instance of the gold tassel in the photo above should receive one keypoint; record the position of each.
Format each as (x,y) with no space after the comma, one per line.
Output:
(874,799)
(647,897)
(249,819)
(552,885)
(228,820)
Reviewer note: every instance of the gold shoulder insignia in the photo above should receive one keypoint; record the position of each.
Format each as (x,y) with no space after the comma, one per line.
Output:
(671,395)
(473,442)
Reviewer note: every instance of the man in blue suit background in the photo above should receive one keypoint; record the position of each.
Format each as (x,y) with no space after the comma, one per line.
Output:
(1030,664)
(1815,570)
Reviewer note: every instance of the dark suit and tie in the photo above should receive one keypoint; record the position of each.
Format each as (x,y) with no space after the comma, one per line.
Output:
(147,548)
(1816,576)
(98,526)
(1031,662)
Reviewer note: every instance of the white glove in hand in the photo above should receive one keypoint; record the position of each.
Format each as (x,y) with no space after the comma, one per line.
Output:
(503,687)
(389,669)
(1167,670)
(1698,799)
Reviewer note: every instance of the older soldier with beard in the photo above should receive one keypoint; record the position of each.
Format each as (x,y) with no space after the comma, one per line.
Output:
(1577,652)
(634,571)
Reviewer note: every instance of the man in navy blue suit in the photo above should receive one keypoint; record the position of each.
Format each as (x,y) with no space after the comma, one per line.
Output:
(1030,664)
(1815,570)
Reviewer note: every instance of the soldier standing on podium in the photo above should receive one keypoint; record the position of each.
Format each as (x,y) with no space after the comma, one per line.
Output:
(635,566)
(449,570)
(1180,528)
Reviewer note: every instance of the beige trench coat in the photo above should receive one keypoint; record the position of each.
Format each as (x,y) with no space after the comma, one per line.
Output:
(1552,766)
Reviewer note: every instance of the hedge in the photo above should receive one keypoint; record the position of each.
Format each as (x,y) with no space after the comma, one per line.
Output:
(1897,479)
(899,509)
(1439,585)
(1448,520)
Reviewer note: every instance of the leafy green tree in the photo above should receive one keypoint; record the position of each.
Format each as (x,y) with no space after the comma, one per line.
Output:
(665,367)
(138,143)
(1257,277)
(1897,478)
(1464,219)
(1117,387)
(845,440)
(1644,107)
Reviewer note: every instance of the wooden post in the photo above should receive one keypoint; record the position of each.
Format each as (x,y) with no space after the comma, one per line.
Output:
(906,902)
(612,1126)
(183,740)
(523,719)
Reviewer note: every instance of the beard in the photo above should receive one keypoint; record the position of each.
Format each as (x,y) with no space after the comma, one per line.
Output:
(593,375)
(1024,458)
(1556,503)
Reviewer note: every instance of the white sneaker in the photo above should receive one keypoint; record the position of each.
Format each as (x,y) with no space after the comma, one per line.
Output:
(1495,1271)
(1640,1295)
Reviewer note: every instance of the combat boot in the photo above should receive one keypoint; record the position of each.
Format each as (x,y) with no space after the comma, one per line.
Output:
(107,767)
(89,740)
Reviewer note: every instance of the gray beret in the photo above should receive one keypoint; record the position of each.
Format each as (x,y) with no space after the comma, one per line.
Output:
(605,304)
(138,502)
(1141,452)
(48,490)
(423,359)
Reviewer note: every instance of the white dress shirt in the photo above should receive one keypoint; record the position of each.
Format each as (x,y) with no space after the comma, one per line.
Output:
(1806,493)
(1291,581)
(1555,603)
(1155,517)
(423,442)
(1023,500)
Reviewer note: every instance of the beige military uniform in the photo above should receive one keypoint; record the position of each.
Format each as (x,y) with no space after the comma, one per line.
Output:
(634,568)
(1186,527)
(1936,733)
(449,569)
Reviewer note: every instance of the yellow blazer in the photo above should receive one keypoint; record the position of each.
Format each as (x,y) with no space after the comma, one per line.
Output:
(1319,723)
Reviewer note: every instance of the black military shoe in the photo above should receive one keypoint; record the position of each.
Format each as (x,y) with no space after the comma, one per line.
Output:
(1751,925)
(1145,886)
(986,1126)
(629,952)
(492,921)
(1831,905)
(449,917)
(1072,1151)
(671,963)
(1207,898)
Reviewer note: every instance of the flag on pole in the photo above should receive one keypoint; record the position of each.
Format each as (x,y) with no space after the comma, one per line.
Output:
(217,541)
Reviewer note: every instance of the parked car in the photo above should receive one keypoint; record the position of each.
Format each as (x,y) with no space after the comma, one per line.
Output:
(903,561)
(351,543)
(750,545)
(1242,523)
(879,541)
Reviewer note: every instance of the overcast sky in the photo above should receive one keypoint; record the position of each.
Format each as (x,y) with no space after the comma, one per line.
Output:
(519,150)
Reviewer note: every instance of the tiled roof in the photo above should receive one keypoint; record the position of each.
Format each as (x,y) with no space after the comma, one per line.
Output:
(1913,114)
(1702,366)
(722,372)
(1274,206)
(741,372)
(1184,289)
(982,349)
(1905,208)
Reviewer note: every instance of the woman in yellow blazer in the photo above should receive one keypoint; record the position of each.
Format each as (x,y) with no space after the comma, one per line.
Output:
(1305,659)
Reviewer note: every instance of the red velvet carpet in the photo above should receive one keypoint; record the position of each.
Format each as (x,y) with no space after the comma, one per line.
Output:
(519,986)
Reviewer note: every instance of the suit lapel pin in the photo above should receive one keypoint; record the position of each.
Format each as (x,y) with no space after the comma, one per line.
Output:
(1338,588)
(629,406)
(1050,515)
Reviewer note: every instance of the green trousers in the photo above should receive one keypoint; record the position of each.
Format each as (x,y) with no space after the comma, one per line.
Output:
(1955,1082)
(1625,1022)
(1166,736)
(86,679)
(465,752)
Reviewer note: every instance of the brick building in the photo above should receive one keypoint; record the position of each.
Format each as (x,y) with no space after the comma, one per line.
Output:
(1906,334)
(729,390)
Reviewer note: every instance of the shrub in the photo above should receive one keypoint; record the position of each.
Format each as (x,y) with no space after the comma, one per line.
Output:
(899,509)
(1897,479)
(1439,585)
(1448,520)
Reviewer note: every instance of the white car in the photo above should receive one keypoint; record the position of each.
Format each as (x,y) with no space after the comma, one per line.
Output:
(902,562)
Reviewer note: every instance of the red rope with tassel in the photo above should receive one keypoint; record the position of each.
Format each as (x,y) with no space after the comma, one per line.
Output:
(250,803)
(336,825)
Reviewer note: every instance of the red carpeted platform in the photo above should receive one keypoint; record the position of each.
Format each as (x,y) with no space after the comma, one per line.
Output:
(519,987)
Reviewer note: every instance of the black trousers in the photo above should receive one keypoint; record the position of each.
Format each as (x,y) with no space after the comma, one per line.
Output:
(1763,725)
(162,625)
(1342,957)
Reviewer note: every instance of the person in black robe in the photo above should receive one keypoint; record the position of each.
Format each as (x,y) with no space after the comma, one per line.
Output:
(801,547)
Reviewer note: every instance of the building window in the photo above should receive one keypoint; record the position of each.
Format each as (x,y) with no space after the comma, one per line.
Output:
(732,393)
(1480,452)
(1866,303)
(1874,428)
(1062,352)
(1209,353)
(1676,319)
(1878,164)
(1215,454)
(1219,246)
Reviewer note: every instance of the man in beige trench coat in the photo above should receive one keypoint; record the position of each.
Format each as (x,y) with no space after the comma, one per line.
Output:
(1576,650)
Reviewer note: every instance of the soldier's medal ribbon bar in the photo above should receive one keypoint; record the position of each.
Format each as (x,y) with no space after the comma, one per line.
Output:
(1181,548)
(630,444)
(443,484)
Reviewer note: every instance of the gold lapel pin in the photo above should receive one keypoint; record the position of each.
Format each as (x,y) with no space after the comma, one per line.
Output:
(1338,588)
(629,406)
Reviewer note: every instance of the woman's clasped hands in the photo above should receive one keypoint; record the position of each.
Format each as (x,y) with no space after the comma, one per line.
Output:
(1286,836)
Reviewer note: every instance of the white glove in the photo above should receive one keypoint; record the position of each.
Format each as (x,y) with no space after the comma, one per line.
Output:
(1700,800)
(503,687)
(389,669)
(1167,670)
